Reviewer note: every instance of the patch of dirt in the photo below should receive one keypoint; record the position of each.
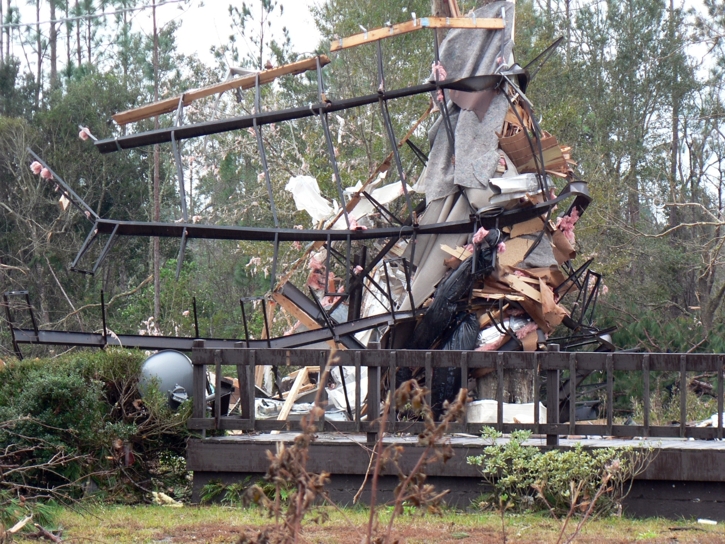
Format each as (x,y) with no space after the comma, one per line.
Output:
(336,533)
(200,532)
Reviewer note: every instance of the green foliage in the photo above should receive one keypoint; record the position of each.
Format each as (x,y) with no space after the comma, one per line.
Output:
(230,494)
(558,480)
(77,418)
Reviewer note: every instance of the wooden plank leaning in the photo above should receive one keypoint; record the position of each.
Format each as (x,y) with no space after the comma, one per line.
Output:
(292,396)
(247,82)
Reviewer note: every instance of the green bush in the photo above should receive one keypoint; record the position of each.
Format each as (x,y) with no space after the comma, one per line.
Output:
(77,423)
(561,481)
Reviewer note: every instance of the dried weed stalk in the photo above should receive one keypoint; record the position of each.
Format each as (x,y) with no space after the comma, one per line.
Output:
(288,470)
(412,488)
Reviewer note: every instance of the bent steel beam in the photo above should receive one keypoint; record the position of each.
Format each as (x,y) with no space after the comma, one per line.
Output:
(163,135)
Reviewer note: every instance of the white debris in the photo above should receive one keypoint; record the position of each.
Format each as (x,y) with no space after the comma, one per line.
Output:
(486,410)
(307,196)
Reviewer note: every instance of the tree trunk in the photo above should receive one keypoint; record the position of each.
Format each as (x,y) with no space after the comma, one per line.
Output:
(68,29)
(89,34)
(518,386)
(39,45)
(79,51)
(157,188)
(7,30)
(53,47)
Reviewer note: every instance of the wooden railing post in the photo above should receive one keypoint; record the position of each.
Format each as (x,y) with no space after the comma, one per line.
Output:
(552,402)
(373,410)
(198,410)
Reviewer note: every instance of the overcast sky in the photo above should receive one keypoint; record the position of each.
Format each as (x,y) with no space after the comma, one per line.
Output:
(206,24)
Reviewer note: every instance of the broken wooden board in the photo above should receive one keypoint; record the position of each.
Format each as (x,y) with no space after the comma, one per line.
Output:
(458,252)
(416,24)
(292,396)
(304,389)
(518,149)
(484,320)
(310,370)
(246,82)
(496,296)
(518,284)
(290,307)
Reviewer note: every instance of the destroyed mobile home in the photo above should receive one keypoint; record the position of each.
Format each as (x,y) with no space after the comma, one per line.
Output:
(483,262)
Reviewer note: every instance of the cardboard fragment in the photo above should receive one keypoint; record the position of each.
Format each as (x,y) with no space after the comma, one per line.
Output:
(562,248)
(532,226)
(477,102)
(553,313)
(518,148)
(536,313)
(452,262)
(530,341)
(63,203)
(516,248)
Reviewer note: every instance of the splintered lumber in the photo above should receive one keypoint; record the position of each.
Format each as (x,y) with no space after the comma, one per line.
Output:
(292,395)
(300,315)
(458,252)
(246,82)
(413,25)
(304,389)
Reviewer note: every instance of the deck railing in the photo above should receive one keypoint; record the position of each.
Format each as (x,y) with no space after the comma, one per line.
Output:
(548,364)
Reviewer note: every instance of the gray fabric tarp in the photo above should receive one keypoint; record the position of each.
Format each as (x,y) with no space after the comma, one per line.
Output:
(463,53)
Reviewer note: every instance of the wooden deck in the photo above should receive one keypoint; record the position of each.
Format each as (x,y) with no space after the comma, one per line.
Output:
(686,478)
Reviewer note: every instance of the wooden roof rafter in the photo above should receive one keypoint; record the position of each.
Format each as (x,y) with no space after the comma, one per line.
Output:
(247,82)
(371,36)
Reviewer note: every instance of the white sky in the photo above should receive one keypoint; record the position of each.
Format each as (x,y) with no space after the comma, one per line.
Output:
(206,23)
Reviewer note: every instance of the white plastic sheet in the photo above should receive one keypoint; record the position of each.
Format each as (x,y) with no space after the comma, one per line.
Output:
(307,196)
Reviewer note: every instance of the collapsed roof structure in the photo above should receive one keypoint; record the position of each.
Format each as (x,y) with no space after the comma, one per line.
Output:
(483,263)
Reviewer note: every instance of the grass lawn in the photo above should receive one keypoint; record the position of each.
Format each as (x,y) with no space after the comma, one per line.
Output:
(216,524)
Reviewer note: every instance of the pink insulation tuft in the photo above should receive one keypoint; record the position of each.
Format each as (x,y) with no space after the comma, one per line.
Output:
(527,329)
(566,224)
(479,236)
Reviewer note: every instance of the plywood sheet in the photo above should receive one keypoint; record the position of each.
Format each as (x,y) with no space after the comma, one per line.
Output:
(516,248)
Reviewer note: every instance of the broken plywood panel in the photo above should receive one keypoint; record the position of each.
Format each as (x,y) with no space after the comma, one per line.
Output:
(532,226)
(516,249)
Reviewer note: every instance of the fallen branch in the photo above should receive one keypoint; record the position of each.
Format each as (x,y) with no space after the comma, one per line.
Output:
(140,286)
(44,533)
